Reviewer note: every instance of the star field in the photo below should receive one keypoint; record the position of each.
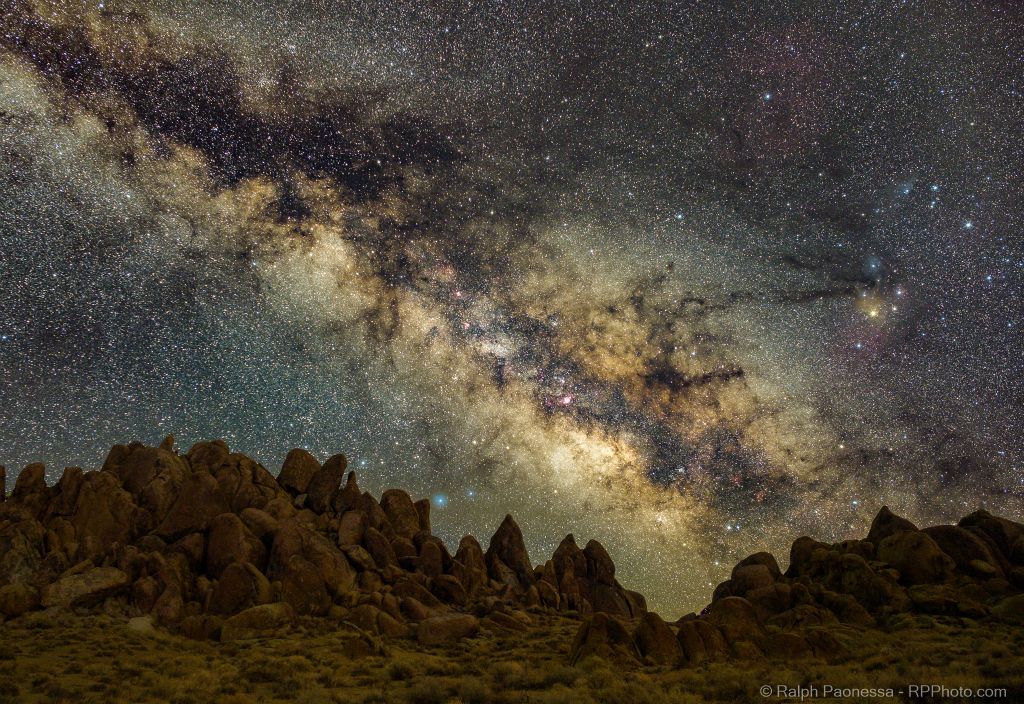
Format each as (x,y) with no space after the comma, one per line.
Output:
(688,278)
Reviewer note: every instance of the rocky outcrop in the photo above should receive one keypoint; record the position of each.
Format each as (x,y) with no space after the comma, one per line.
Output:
(1010,610)
(701,642)
(22,546)
(241,585)
(83,585)
(298,471)
(374,619)
(887,523)
(1005,536)
(210,544)
(17,598)
(230,540)
(198,502)
(762,613)
(325,483)
(656,641)
(401,512)
(584,581)
(969,552)
(470,566)
(606,637)
(104,515)
(256,622)
(507,560)
(30,489)
(956,571)
(917,558)
(440,629)
(151,476)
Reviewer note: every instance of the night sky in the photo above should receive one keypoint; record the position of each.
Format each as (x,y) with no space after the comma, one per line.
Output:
(691,278)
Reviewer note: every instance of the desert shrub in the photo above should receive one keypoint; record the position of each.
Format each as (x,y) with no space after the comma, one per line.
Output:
(398,671)
(561,674)
(508,675)
(265,671)
(39,623)
(473,691)
(160,690)
(331,679)
(288,688)
(236,699)
(429,690)
(185,698)
(440,668)
(128,670)
(560,694)
(591,663)
(361,670)
(57,692)
(636,693)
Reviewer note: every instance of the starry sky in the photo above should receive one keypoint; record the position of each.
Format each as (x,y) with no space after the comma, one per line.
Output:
(692,278)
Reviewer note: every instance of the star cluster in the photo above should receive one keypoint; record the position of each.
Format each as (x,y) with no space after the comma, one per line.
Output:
(687,278)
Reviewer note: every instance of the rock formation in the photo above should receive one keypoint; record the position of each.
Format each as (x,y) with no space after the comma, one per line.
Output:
(972,570)
(211,544)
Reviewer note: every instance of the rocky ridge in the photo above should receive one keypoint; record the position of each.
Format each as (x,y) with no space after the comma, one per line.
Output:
(209,544)
(833,593)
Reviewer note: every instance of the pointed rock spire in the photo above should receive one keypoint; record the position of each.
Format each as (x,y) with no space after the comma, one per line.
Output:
(569,558)
(599,563)
(401,511)
(324,484)
(470,553)
(887,523)
(507,549)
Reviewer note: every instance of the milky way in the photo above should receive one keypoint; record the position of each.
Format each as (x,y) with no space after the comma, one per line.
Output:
(689,280)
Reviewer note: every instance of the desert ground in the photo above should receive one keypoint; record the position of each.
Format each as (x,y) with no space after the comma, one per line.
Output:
(64,657)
